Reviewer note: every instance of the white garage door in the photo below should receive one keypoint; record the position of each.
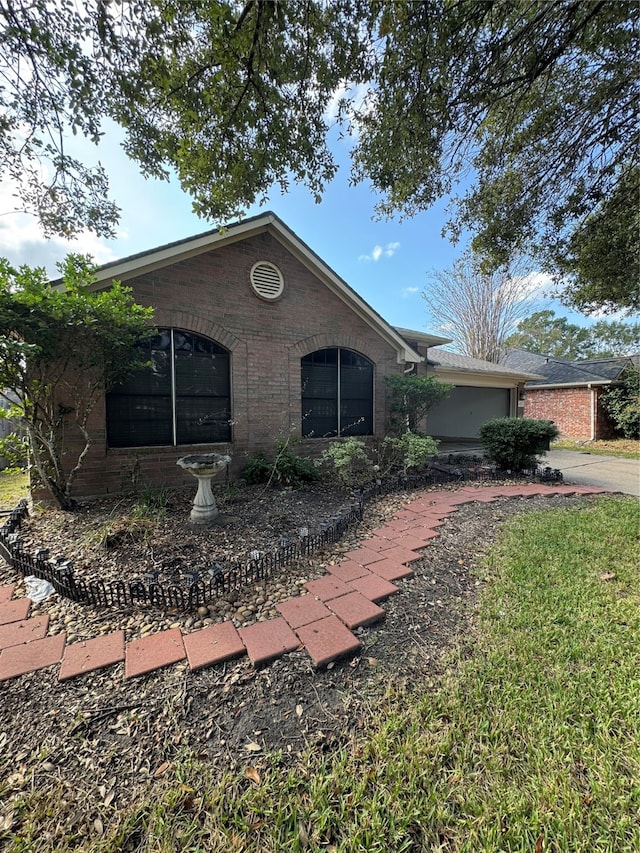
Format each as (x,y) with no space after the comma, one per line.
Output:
(465,410)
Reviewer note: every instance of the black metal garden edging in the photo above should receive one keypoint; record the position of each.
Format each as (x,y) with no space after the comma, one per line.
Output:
(221,579)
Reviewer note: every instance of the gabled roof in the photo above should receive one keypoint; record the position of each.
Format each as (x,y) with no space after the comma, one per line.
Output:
(144,262)
(561,372)
(453,361)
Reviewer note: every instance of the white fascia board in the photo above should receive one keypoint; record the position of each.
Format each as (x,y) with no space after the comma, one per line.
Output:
(175,252)
(475,379)
(423,337)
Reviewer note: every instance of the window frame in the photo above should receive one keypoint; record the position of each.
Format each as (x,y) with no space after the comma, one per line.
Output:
(174,395)
(338,399)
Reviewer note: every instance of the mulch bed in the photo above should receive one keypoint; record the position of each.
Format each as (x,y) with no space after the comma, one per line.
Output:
(101,742)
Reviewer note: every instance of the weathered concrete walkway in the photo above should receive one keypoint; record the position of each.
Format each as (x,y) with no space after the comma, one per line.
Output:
(322,621)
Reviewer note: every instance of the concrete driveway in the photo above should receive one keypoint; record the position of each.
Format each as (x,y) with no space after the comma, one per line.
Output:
(607,472)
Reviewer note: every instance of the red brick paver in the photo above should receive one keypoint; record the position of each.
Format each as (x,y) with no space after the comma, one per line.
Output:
(374,587)
(14,611)
(348,571)
(24,631)
(392,570)
(6,591)
(363,556)
(379,542)
(268,640)
(411,541)
(327,587)
(212,645)
(399,555)
(327,640)
(90,655)
(302,610)
(355,610)
(29,657)
(153,652)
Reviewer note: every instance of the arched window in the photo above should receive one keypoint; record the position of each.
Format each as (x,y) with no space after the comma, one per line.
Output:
(337,394)
(183,397)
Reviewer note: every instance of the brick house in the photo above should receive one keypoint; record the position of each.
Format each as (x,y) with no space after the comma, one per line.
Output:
(569,393)
(258,339)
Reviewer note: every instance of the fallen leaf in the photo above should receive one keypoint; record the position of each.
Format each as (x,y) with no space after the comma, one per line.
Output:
(539,844)
(299,710)
(252,773)
(372,661)
(608,576)
(97,825)
(252,747)
(109,797)
(303,835)
(162,769)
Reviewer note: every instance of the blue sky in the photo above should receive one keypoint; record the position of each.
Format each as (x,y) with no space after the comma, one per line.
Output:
(386,262)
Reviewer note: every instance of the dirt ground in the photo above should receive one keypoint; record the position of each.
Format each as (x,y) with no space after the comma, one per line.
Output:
(102,742)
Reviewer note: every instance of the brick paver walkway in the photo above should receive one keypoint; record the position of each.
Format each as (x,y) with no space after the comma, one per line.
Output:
(320,622)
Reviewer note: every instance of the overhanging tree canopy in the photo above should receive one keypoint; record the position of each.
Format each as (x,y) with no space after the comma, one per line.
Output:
(60,350)
(535,100)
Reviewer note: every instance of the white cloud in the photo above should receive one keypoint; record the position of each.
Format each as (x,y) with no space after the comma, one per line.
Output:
(409,291)
(535,285)
(377,252)
(22,241)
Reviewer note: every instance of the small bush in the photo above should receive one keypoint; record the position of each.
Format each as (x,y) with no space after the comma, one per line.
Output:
(152,503)
(622,403)
(411,399)
(348,462)
(514,444)
(286,469)
(411,451)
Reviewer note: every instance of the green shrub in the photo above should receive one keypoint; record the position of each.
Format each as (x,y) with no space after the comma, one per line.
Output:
(515,443)
(14,448)
(411,399)
(152,503)
(411,451)
(622,404)
(348,462)
(285,469)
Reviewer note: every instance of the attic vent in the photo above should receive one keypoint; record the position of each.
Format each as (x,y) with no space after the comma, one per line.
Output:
(266,280)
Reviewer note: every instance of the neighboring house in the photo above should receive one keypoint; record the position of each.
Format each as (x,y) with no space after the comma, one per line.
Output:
(569,393)
(482,391)
(258,340)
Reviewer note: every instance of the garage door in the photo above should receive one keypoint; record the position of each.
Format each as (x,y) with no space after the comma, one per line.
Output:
(465,410)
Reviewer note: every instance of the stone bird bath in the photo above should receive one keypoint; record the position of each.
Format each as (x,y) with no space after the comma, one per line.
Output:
(203,466)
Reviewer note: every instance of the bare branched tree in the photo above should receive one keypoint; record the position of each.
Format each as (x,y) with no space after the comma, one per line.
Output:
(478,310)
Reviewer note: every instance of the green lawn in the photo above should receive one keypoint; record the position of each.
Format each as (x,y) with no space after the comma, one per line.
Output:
(531,743)
(625,448)
(13,486)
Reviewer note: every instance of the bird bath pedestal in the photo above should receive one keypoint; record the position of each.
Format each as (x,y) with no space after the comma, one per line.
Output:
(203,466)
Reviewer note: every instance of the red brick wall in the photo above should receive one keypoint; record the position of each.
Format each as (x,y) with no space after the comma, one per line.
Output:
(210,294)
(571,409)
